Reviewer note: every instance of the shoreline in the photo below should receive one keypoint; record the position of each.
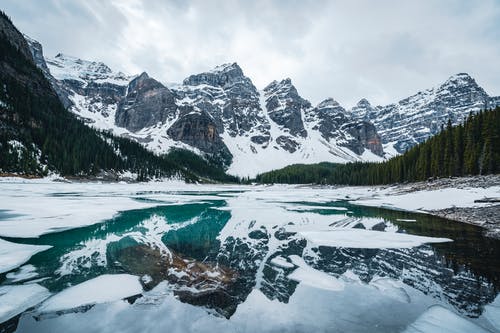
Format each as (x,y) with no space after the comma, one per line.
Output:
(482,213)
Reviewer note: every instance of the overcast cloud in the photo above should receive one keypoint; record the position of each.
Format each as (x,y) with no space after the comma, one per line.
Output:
(382,50)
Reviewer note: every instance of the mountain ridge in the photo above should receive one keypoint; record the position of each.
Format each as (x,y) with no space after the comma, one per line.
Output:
(220,114)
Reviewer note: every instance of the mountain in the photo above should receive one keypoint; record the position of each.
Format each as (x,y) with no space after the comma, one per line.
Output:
(218,114)
(471,148)
(38,135)
(414,119)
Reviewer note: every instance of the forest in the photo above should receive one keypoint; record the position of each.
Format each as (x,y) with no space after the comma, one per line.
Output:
(38,135)
(471,148)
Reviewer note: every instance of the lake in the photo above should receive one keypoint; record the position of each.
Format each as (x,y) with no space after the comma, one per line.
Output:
(241,259)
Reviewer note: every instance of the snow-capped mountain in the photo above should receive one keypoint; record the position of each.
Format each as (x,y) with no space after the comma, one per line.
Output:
(416,118)
(219,113)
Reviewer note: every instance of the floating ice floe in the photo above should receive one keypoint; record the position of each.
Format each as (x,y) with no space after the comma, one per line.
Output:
(367,239)
(312,277)
(438,319)
(13,255)
(25,272)
(16,299)
(102,289)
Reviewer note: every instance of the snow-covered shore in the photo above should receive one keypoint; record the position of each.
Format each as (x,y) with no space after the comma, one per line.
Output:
(473,200)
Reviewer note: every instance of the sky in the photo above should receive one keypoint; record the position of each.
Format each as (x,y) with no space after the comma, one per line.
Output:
(382,50)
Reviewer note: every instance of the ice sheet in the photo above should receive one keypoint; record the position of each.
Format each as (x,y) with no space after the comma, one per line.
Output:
(23,273)
(13,255)
(492,313)
(367,239)
(438,319)
(312,277)
(104,288)
(16,299)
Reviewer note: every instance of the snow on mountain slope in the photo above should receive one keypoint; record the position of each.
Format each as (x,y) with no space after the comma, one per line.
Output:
(221,113)
(416,118)
(65,67)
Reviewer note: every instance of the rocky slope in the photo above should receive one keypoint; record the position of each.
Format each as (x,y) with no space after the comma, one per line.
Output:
(219,114)
(416,118)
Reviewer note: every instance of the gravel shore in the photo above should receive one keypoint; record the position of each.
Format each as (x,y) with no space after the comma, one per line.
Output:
(486,217)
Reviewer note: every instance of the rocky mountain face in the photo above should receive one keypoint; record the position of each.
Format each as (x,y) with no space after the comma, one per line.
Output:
(285,106)
(218,113)
(335,123)
(221,114)
(414,119)
(146,103)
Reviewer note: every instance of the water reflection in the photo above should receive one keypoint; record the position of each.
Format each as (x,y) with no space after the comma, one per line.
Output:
(182,244)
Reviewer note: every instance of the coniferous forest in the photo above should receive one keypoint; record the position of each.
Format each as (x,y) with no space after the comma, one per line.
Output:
(38,135)
(472,148)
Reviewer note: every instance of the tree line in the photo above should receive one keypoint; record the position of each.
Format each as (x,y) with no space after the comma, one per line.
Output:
(470,148)
(38,135)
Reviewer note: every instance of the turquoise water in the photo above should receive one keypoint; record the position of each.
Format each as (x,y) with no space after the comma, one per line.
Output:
(463,274)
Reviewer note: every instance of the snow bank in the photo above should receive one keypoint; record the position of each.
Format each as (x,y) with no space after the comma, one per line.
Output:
(367,239)
(438,319)
(102,289)
(312,277)
(13,255)
(16,299)
(431,200)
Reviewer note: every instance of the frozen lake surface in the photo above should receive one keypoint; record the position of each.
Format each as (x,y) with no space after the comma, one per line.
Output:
(159,257)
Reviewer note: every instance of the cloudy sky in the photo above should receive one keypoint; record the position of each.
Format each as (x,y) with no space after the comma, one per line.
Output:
(383,50)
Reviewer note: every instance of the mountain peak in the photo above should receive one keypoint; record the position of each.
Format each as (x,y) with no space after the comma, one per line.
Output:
(363,103)
(226,68)
(221,76)
(328,103)
(461,79)
(283,85)
(66,67)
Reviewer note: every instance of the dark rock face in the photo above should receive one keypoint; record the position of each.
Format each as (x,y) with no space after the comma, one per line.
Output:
(364,136)
(334,122)
(327,118)
(287,143)
(363,110)
(147,103)
(37,54)
(285,106)
(230,98)
(198,129)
